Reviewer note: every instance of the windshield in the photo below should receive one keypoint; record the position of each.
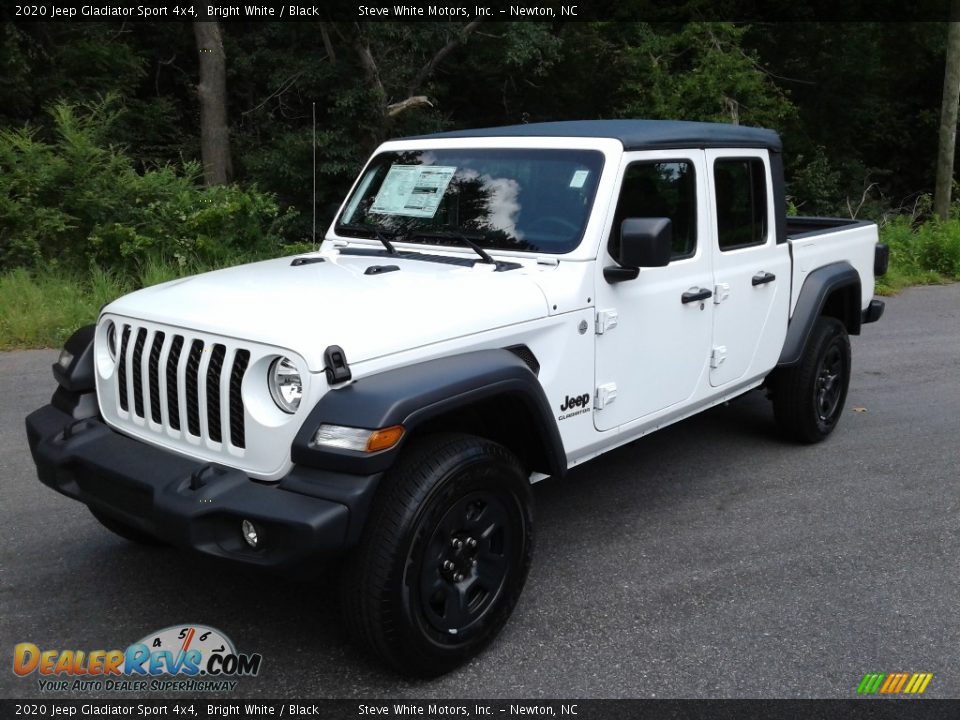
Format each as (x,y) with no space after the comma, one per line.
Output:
(505,199)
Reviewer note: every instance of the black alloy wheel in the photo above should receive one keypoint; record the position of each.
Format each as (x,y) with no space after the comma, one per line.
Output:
(465,563)
(808,397)
(444,555)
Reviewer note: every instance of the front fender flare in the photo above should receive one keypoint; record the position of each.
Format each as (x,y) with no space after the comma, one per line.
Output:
(413,394)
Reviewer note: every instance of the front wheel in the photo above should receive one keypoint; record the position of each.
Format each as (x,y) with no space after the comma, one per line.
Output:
(444,555)
(808,398)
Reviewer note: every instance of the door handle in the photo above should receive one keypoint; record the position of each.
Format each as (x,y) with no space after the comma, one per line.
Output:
(762,278)
(695,295)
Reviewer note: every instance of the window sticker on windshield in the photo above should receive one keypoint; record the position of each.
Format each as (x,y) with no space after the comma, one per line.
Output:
(579,178)
(413,190)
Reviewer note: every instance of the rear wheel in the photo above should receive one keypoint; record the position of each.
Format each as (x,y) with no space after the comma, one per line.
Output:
(444,556)
(125,531)
(808,398)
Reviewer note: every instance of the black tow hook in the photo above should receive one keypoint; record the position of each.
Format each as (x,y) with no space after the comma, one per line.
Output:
(199,478)
(76,427)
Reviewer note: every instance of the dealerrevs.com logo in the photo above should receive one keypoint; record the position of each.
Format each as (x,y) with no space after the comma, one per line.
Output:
(180,658)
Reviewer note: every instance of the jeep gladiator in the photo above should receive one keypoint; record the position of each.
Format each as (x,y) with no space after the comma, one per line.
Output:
(489,308)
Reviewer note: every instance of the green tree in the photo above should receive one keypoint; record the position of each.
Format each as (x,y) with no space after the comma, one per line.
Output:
(699,72)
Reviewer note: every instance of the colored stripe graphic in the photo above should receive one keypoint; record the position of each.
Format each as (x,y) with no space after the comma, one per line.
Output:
(894,683)
(870,683)
(900,683)
(891,680)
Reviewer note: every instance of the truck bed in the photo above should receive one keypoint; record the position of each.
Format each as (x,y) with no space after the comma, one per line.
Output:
(803,226)
(818,241)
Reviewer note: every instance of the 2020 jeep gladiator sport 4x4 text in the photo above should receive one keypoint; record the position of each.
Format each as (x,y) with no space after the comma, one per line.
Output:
(489,308)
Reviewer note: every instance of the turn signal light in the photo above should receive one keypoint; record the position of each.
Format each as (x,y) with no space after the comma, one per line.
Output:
(384,439)
(357,439)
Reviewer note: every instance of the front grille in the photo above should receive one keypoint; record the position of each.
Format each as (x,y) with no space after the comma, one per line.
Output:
(169,381)
(137,372)
(122,379)
(173,401)
(213,392)
(236,401)
(153,369)
(193,383)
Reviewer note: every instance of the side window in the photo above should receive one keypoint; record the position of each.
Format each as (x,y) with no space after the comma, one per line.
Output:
(740,185)
(660,189)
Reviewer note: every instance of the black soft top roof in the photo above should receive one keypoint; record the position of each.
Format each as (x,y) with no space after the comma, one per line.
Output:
(635,134)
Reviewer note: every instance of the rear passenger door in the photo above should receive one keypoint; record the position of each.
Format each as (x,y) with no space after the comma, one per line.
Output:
(751,293)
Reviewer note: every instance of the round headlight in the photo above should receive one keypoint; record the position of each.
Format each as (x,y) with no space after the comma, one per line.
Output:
(112,340)
(286,387)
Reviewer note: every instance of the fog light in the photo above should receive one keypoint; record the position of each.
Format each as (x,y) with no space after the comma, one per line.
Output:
(250,533)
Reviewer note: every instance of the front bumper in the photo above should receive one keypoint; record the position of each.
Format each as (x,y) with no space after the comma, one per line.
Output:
(309,515)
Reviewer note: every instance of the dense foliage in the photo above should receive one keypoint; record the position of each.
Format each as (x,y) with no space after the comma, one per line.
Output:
(856,103)
(78,200)
(99,122)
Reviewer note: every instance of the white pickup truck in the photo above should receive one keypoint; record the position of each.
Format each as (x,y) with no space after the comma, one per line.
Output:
(489,308)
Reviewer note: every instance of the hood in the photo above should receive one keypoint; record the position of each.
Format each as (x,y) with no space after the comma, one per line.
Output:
(307,307)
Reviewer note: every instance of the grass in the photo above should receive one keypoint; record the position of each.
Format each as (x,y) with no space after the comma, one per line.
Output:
(920,254)
(898,279)
(41,309)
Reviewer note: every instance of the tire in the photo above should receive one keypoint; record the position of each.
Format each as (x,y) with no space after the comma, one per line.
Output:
(444,556)
(808,398)
(125,531)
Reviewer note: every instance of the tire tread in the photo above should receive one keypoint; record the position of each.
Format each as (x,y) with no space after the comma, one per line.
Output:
(369,574)
(793,386)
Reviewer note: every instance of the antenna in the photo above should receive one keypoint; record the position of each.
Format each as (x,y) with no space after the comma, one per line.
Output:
(314,176)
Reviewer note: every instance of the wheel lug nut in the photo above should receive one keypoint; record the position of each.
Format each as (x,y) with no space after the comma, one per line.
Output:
(458,577)
(474,562)
(457,543)
(447,565)
(471,542)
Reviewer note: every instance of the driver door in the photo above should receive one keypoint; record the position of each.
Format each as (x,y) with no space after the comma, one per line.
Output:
(653,344)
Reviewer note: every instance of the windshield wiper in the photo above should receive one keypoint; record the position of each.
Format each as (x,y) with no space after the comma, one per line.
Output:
(453,235)
(375,230)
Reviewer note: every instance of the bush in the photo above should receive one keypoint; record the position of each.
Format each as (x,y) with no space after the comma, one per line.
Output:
(79,201)
(940,247)
(920,252)
(814,185)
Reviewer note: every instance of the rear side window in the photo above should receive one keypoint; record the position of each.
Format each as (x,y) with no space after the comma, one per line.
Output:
(740,185)
(665,189)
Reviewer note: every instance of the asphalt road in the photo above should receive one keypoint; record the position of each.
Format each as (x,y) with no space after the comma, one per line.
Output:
(711,559)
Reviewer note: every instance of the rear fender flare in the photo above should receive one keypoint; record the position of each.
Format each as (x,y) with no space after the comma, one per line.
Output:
(814,295)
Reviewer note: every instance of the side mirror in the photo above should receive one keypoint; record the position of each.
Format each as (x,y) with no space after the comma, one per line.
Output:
(644,242)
